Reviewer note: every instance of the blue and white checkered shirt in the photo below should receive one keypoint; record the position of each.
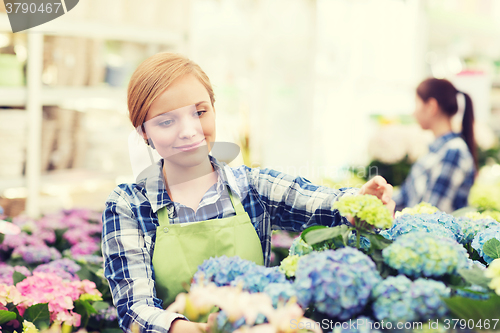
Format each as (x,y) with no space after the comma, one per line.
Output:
(273,200)
(442,178)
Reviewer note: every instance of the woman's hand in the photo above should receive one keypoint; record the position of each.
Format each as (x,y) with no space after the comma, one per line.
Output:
(378,187)
(184,326)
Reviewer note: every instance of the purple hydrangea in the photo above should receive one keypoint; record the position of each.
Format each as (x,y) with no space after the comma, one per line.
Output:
(33,254)
(108,314)
(337,283)
(7,271)
(64,268)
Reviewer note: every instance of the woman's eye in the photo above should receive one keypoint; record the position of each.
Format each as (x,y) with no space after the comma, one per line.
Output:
(200,113)
(165,123)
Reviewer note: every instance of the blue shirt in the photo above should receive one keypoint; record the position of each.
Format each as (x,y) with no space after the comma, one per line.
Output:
(442,178)
(273,200)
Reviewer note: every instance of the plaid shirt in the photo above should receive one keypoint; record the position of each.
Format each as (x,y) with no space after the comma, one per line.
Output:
(442,178)
(273,200)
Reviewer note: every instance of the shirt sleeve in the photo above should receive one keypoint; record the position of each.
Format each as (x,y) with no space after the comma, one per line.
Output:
(294,203)
(128,269)
(444,181)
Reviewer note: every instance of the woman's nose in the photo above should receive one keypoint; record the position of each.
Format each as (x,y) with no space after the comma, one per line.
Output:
(189,127)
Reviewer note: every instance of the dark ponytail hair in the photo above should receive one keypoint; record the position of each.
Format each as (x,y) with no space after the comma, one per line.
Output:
(445,94)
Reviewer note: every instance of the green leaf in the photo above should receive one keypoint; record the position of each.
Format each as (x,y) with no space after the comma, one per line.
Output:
(319,235)
(463,211)
(377,242)
(475,276)
(84,273)
(6,316)
(84,309)
(492,248)
(18,277)
(100,305)
(467,308)
(39,315)
(305,232)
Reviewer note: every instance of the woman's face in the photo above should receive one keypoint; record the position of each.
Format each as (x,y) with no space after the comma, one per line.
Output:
(421,113)
(181,122)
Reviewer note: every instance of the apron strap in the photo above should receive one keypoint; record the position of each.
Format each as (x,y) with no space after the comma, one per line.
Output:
(235,201)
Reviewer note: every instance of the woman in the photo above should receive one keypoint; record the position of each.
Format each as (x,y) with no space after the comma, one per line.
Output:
(188,206)
(445,175)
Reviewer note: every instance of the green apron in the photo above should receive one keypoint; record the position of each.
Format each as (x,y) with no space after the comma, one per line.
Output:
(181,248)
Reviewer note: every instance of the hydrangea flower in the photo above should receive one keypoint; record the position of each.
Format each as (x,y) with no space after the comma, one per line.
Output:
(482,237)
(64,268)
(440,223)
(367,208)
(256,279)
(280,292)
(493,272)
(364,243)
(234,271)
(299,247)
(33,254)
(108,314)
(338,283)
(361,324)
(422,254)
(7,271)
(289,265)
(398,299)
(485,196)
(472,223)
(421,208)
(493,214)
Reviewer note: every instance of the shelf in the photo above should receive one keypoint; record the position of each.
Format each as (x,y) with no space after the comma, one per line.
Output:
(57,96)
(65,27)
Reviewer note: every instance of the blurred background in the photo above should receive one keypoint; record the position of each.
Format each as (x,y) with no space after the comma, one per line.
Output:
(323,89)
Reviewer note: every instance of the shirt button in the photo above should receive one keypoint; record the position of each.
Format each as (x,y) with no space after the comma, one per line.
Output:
(165,230)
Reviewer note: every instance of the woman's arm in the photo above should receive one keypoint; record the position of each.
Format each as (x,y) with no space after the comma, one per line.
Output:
(294,203)
(128,268)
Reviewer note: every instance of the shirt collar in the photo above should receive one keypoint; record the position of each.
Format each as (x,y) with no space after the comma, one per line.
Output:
(152,181)
(439,142)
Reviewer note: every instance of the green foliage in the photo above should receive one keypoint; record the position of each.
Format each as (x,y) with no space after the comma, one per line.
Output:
(39,315)
(395,173)
(84,309)
(17,277)
(335,237)
(467,308)
(6,316)
(475,276)
(492,248)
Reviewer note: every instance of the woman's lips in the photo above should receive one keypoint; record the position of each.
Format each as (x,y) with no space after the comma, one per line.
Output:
(191,147)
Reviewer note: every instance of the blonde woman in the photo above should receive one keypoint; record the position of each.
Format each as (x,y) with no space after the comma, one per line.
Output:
(189,207)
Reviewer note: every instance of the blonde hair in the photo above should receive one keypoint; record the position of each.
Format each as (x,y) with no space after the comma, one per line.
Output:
(155,75)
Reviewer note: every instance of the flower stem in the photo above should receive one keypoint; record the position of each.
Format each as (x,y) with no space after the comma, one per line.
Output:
(358,236)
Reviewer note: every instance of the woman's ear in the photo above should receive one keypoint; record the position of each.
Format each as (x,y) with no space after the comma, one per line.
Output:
(432,106)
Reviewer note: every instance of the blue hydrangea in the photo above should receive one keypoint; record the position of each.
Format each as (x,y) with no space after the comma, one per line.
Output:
(482,237)
(222,270)
(364,243)
(337,283)
(257,278)
(422,254)
(280,292)
(234,271)
(471,227)
(299,247)
(398,299)
(439,223)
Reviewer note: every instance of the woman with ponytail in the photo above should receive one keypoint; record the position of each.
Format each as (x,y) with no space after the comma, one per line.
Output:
(445,175)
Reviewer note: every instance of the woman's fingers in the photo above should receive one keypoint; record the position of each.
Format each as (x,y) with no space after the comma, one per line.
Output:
(378,187)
